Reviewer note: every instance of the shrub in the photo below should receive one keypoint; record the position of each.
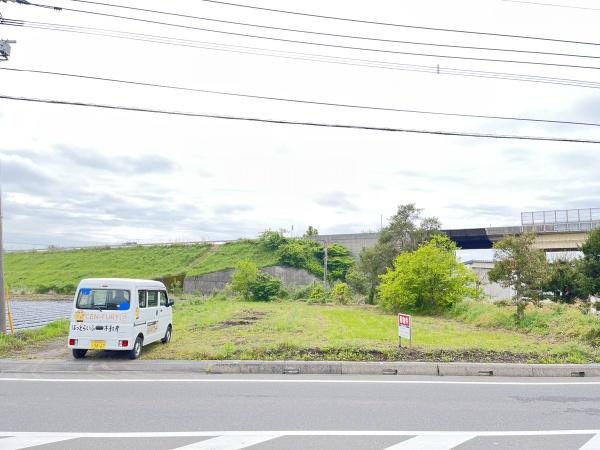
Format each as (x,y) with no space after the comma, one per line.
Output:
(339,261)
(272,239)
(428,279)
(357,281)
(341,293)
(265,287)
(243,277)
(317,292)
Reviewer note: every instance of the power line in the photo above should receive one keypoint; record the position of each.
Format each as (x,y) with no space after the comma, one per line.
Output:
(369,38)
(293,100)
(418,27)
(301,123)
(320,44)
(554,4)
(302,56)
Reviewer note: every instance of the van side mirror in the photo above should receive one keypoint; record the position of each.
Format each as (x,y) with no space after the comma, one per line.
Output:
(170,302)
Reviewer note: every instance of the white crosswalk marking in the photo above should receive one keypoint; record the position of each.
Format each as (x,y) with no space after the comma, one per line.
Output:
(592,444)
(441,442)
(227,443)
(17,442)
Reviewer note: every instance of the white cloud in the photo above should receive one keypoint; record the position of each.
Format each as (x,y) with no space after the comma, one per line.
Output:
(107,176)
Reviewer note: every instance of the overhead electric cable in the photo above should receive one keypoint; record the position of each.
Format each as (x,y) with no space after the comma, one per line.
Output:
(301,123)
(321,44)
(389,24)
(554,5)
(300,101)
(369,38)
(329,59)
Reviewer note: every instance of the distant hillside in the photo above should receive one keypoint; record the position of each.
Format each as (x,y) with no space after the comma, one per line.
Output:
(59,271)
(226,256)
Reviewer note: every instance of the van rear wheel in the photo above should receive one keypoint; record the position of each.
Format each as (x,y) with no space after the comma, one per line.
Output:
(136,351)
(167,337)
(79,353)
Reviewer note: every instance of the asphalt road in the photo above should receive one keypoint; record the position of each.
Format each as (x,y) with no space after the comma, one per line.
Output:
(128,411)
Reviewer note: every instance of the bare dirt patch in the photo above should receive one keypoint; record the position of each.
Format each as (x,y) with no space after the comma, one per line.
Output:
(244,319)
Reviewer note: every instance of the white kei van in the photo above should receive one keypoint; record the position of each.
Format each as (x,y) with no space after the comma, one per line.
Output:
(119,314)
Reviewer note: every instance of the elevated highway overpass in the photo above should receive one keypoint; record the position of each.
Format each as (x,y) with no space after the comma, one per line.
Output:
(556,231)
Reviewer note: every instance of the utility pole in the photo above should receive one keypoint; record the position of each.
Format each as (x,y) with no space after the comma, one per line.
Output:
(2,292)
(325,265)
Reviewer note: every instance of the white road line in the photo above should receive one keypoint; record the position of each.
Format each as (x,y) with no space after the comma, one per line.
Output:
(227,442)
(17,442)
(592,444)
(250,380)
(442,442)
(271,433)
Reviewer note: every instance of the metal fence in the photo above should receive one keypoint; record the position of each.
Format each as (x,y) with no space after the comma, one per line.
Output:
(561,220)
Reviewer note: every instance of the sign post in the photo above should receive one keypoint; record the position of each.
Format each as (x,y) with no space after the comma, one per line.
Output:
(404,329)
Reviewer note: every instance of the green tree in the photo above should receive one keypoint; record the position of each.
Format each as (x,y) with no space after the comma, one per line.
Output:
(311,231)
(406,230)
(521,267)
(428,279)
(590,264)
(565,281)
(243,278)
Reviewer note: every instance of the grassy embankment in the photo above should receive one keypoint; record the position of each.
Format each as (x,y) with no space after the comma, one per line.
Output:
(59,271)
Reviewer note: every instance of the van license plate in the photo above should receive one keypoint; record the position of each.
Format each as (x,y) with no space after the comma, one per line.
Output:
(97,345)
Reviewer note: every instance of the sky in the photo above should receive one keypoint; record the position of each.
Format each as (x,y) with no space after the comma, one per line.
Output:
(83,176)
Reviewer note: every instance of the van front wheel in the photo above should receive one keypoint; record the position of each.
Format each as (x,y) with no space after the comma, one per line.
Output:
(136,351)
(79,353)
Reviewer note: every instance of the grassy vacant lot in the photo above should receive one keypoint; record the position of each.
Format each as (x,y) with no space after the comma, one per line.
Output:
(230,329)
(60,271)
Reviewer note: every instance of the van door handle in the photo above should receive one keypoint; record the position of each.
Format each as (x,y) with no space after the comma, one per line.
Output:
(157,312)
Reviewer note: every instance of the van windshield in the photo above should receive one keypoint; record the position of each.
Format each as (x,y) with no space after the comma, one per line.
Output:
(118,299)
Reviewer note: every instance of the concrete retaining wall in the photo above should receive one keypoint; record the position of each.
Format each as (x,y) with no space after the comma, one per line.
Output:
(217,281)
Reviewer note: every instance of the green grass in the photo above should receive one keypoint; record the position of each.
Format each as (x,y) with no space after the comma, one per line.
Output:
(552,320)
(230,329)
(226,256)
(32,339)
(60,271)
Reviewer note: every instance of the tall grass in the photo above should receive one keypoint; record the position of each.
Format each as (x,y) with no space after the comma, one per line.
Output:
(560,321)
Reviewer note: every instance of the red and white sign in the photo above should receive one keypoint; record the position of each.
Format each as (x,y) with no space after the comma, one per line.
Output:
(404,325)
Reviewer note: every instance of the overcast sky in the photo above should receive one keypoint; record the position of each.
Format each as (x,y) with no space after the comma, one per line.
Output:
(73,175)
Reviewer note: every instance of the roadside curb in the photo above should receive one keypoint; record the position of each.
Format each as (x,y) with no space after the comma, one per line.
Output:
(303,367)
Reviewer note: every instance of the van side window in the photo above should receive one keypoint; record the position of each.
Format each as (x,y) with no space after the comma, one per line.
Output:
(163,298)
(152,298)
(142,298)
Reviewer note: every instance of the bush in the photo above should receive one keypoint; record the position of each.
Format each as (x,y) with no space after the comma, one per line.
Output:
(339,261)
(243,278)
(341,293)
(272,239)
(265,287)
(357,281)
(317,292)
(428,279)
